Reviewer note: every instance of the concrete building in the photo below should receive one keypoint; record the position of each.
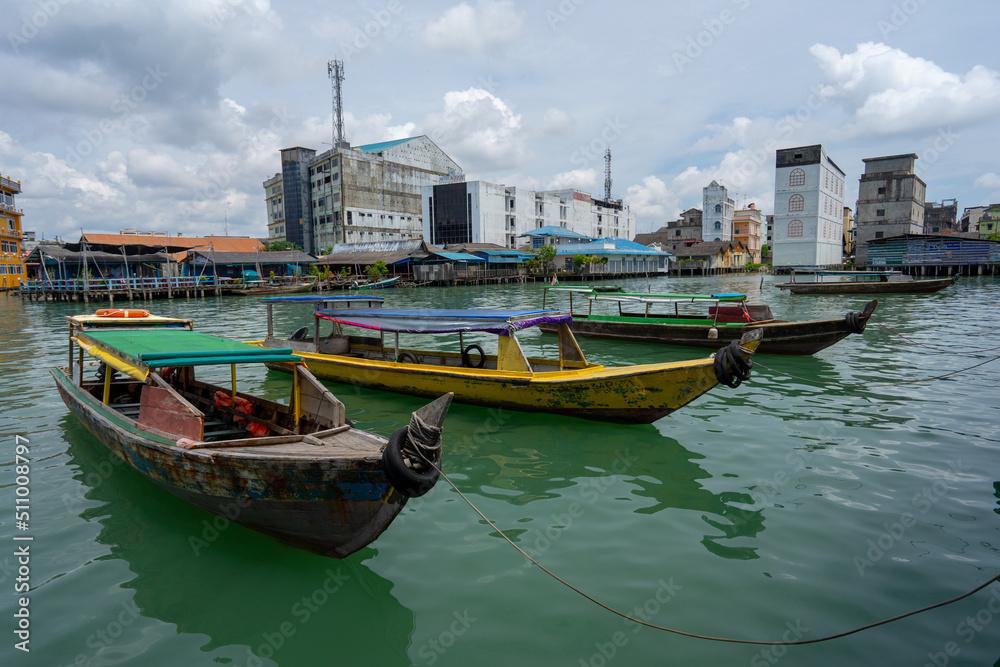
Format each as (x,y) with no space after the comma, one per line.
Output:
(941,217)
(481,212)
(11,240)
(676,234)
(890,201)
(808,209)
(989,222)
(717,213)
(970,219)
(367,193)
(747,226)
(849,232)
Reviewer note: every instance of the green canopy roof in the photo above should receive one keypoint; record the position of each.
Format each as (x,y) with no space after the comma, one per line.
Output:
(156,348)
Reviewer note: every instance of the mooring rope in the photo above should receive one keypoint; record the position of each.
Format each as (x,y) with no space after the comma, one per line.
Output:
(873,384)
(729,640)
(936,349)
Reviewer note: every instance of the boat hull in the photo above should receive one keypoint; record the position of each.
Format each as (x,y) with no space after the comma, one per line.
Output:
(908,287)
(780,337)
(332,505)
(627,395)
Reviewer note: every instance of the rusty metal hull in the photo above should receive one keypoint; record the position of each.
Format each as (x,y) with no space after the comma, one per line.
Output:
(332,502)
(780,337)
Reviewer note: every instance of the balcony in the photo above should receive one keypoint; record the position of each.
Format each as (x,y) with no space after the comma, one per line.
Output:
(8,184)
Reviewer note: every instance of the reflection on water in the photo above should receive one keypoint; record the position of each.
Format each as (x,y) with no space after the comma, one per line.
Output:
(201,573)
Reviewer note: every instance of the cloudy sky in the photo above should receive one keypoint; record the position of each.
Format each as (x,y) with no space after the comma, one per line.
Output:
(168,115)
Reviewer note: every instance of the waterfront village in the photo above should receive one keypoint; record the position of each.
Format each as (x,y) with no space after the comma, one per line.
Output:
(404,210)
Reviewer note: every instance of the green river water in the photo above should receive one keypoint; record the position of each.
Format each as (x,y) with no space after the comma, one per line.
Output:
(781,510)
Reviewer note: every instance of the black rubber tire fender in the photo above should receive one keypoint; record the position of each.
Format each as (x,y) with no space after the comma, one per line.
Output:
(404,479)
(299,333)
(407,358)
(467,360)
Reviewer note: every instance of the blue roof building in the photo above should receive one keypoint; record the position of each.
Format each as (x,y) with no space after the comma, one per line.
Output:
(623,256)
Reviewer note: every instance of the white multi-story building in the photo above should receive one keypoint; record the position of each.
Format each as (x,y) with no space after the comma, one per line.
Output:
(481,212)
(717,213)
(350,195)
(808,209)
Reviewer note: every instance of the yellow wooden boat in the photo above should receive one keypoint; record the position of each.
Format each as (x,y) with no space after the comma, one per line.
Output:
(568,385)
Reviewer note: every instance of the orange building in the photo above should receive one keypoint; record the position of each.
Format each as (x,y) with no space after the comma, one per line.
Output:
(746,229)
(11,241)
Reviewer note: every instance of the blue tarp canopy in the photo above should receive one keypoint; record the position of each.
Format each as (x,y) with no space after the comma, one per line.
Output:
(444,320)
(320,299)
(459,257)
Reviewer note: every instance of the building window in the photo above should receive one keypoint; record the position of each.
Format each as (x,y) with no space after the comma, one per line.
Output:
(880,212)
(718,225)
(794,228)
(797,177)
(677,232)
(879,235)
(881,191)
(796,203)
(718,208)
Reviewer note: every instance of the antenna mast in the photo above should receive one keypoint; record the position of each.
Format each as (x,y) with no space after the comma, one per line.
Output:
(335,70)
(607,174)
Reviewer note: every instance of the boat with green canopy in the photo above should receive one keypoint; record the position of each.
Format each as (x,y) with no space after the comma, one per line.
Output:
(505,376)
(699,320)
(296,470)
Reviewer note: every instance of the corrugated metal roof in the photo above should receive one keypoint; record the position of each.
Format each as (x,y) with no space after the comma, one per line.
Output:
(459,256)
(268,257)
(552,230)
(377,246)
(608,246)
(379,147)
(219,243)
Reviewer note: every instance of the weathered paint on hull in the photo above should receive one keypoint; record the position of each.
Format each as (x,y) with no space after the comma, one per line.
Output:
(623,395)
(333,506)
(779,337)
(913,287)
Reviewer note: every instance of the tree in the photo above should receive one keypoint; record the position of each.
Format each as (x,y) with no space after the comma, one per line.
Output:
(765,250)
(282,245)
(579,261)
(545,255)
(377,270)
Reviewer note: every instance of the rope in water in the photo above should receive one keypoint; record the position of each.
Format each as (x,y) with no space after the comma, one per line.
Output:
(931,347)
(694,635)
(873,384)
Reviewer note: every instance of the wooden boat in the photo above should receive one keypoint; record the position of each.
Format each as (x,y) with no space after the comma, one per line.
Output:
(378,284)
(861,282)
(262,287)
(298,471)
(703,320)
(568,385)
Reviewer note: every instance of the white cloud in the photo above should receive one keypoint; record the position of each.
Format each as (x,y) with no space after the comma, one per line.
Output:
(479,130)
(653,199)
(990,181)
(580,179)
(490,24)
(556,121)
(889,91)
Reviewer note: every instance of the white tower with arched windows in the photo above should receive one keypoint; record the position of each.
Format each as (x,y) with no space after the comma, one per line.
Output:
(717,213)
(808,209)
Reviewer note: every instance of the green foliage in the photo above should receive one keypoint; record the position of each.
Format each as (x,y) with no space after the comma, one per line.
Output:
(543,257)
(765,250)
(282,245)
(580,260)
(377,270)
(993,237)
